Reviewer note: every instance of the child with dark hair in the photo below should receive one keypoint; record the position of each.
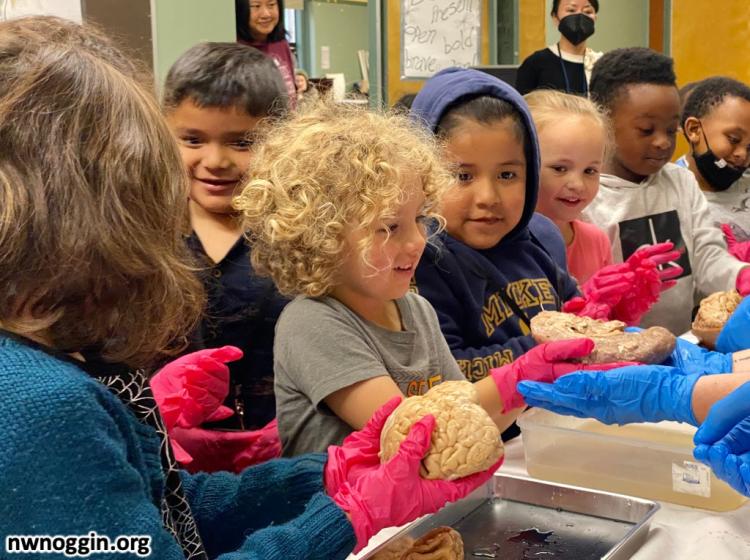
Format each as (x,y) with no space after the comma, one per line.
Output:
(716,123)
(646,199)
(217,97)
(260,24)
(564,66)
(498,263)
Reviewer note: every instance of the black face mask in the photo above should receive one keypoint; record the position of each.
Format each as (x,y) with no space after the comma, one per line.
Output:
(716,171)
(576,28)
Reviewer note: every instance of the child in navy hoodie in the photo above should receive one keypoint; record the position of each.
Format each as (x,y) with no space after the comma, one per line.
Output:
(498,264)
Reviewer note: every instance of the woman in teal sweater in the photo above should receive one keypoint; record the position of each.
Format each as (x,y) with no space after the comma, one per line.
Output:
(92,207)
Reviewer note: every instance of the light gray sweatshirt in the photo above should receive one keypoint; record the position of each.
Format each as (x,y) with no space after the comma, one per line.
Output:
(667,206)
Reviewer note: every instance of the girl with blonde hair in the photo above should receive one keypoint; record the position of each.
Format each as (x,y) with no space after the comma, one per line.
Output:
(573,139)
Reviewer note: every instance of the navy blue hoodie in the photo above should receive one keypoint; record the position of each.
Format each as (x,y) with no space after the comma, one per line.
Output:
(485,298)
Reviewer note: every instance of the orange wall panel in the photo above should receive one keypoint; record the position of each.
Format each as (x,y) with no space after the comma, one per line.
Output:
(710,38)
(532,16)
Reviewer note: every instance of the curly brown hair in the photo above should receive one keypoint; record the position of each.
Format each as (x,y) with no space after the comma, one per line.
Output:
(328,170)
(93,198)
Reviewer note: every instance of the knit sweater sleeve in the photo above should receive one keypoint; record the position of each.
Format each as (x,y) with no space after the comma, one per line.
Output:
(71,463)
(278,490)
(74,461)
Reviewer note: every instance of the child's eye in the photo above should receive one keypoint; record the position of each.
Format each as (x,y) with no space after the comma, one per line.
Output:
(559,168)
(191,141)
(242,144)
(646,131)
(733,140)
(591,171)
(388,228)
(507,175)
(463,177)
(672,131)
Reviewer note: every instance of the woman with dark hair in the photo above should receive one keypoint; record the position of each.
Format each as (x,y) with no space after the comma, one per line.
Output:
(260,23)
(566,65)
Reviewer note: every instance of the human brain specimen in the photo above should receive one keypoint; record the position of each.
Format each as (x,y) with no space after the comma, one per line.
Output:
(612,343)
(442,543)
(713,313)
(465,440)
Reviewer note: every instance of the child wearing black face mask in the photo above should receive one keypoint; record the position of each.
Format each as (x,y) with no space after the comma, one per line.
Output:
(716,123)
(566,65)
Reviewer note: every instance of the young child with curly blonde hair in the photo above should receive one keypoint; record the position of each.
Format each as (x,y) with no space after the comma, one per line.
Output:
(337,209)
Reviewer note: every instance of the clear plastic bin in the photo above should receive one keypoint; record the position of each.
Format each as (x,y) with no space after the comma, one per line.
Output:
(653,461)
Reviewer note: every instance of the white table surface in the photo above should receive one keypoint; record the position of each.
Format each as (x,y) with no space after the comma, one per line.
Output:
(677,532)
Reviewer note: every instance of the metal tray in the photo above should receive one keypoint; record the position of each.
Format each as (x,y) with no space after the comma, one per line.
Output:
(522,518)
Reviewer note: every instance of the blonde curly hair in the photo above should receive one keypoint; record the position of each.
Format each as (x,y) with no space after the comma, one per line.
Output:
(329,170)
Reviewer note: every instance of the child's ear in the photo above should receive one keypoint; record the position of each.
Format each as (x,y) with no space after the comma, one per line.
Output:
(692,130)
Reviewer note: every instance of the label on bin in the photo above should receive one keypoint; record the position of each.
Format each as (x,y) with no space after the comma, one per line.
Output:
(691,478)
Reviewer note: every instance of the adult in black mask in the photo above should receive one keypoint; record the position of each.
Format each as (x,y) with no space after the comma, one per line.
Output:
(716,123)
(566,65)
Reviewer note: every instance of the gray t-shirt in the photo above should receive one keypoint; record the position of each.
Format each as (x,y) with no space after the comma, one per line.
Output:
(322,346)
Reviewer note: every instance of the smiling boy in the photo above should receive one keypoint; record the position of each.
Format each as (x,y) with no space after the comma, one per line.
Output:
(644,198)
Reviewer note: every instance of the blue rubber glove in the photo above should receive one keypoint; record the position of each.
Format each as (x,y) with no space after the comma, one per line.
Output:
(618,396)
(692,358)
(728,422)
(723,440)
(735,335)
(732,469)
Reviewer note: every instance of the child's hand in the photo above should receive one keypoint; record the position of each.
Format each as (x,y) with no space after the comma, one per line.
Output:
(739,250)
(358,452)
(200,450)
(627,291)
(743,281)
(394,493)
(648,281)
(191,389)
(546,363)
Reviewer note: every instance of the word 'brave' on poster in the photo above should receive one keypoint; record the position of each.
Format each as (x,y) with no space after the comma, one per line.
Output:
(436,34)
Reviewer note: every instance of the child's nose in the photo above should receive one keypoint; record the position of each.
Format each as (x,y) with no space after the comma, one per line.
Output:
(485,191)
(416,239)
(662,141)
(215,157)
(740,156)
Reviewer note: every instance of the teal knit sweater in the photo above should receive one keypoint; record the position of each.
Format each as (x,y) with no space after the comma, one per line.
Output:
(74,459)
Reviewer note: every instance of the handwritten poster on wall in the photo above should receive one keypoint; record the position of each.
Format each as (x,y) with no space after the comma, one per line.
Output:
(436,34)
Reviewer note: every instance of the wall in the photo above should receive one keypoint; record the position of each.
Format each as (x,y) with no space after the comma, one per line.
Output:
(532,15)
(620,23)
(707,41)
(179,24)
(342,27)
(129,25)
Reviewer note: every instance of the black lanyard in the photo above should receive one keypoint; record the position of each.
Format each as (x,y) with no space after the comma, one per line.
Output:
(565,74)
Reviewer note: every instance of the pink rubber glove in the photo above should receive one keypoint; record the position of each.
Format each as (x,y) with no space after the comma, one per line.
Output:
(393,493)
(358,452)
(628,290)
(739,250)
(191,390)
(546,363)
(213,450)
(743,281)
(648,281)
